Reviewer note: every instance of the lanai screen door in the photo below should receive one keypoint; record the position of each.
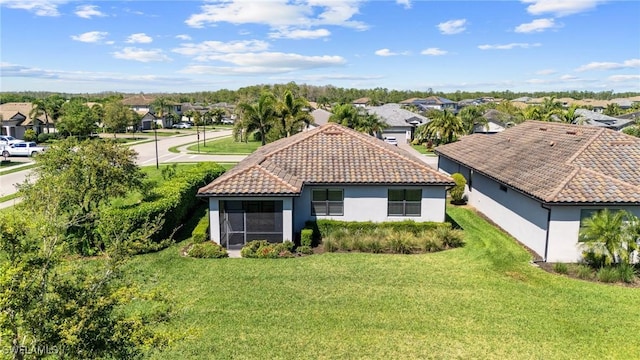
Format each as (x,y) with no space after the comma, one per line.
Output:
(244,221)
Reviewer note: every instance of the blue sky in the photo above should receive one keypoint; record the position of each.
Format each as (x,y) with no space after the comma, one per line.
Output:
(189,46)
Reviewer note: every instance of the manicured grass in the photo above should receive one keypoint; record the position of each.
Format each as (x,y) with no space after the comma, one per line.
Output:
(482,301)
(10,170)
(423,150)
(8,197)
(8,164)
(226,146)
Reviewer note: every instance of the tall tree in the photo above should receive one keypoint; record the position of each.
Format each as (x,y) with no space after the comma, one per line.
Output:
(293,112)
(570,116)
(161,106)
(117,116)
(444,127)
(371,124)
(258,116)
(77,119)
(472,116)
(345,114)
(48,107)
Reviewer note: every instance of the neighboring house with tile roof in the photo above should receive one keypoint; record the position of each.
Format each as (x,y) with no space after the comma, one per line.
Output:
(589,117)
(497,121)
(320,117)
(401,122)
(362,102)
(15,119)
(141,104)
(331,172)
(436,103)
(540,180)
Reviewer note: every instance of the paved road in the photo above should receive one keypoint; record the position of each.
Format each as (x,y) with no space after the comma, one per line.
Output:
(146,156)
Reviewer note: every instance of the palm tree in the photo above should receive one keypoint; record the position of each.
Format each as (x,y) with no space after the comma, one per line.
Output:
(293,112)
(444,127)
(549,108)
(258,116)
(612,109)
(531,112)
(472,116)
(161,106)
(371,124)
(345,114)
(571,117)
(611,235)
(49,107)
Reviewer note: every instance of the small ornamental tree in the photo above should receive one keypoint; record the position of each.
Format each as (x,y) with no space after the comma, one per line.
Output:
(610,237)
(457,191)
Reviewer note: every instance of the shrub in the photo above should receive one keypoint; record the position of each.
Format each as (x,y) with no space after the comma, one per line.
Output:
(626,273)
(284,246)
(173,201)
(329,245)
(560,268)
(584,272)
(30,135)
(450,238)
(200,233)
(209,250)
(430,243)
(306,237)
(457,191)
(608,275)
(323,228)
(249,250)
(594,260)
(268,251)
(305,250)
(373,244)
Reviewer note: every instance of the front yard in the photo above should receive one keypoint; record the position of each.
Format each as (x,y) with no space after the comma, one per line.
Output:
(481,301)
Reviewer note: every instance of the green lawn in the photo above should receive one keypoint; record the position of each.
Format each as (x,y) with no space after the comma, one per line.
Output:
(482,301)
(226,146)
(423,150)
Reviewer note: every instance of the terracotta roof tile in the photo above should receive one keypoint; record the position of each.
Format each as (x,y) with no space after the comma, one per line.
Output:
(330,154)
(556,163)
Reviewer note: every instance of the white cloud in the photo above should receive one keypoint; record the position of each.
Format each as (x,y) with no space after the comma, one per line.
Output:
(139,38)
(545,72)
(624,78)
(508,46)
(91,36)
(537,25)
(405,3)
(131,53)
(279,13)
(203,50)
(452,26)
(568,77)
(183,37)
(627,64)
(560,8)
(287,33)
(89,11)
(537,81)
(433,52)
(385,52)
(38,7)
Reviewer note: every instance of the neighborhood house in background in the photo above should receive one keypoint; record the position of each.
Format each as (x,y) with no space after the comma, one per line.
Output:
(539,181)
(331,172)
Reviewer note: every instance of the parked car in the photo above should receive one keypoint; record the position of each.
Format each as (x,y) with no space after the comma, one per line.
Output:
(22,149)
(227,121)
(8,140)
(391,140)
(182,125)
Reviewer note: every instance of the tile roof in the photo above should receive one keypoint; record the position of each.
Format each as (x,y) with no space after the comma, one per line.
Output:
(328,155)
(394,115)
(556,163)
(9,110)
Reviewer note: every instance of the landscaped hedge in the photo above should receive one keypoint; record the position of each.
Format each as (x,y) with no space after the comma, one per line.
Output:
(200,233)
(173,200)
(322,228)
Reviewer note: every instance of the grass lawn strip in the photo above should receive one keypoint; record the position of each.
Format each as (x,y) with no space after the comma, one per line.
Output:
(17,169)
(483,301)
(225,146)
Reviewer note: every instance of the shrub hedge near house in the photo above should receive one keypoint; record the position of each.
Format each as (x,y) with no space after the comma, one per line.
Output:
(172,200)
(200,233)
(323,228)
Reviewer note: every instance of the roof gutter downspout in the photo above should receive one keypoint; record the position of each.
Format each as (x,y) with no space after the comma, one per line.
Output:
(546,240)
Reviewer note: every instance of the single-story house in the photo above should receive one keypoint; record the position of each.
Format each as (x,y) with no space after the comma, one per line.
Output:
(539,181)
(15,119)
(331,172)
(320,117)
(436,103)
(362,102)
(598,119)
(497,121)
(401,122)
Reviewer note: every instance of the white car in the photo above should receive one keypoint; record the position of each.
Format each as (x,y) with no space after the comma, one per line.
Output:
(9,140)
(182,125)
(391,140)
(22,149)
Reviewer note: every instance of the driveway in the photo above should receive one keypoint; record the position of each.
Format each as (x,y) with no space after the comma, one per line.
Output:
(430,160)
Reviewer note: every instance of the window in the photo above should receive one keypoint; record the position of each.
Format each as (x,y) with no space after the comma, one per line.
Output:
(404,202)
(327,202)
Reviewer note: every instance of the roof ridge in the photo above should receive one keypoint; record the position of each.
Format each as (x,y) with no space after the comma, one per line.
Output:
(584,147)
(563,183)
(277,178)
(612,179)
